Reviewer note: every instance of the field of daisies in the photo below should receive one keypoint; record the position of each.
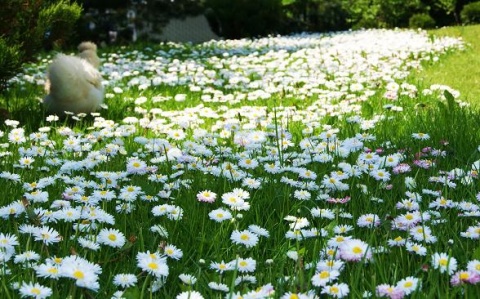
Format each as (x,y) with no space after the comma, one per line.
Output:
(305,166)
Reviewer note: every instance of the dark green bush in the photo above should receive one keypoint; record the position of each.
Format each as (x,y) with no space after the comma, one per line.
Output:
(380,13)
(57,22)
(330,16)
(470,13)
(246,18)
(421,20)
(313,16)
(28,26)
(10,61)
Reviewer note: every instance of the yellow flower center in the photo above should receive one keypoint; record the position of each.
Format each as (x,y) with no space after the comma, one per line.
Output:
(53,270)
(464,275)
(244,237)
(78,274)
(334,289)
(324,274)
(357,250)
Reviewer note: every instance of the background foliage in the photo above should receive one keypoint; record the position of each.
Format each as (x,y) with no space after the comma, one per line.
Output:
(27,26)
(251,18)
(471,13)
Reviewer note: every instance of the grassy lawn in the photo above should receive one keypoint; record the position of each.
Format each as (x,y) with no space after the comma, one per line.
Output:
(283,167)
(459,70)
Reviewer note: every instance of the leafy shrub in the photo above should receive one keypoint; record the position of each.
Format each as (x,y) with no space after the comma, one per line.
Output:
(331,16)
(246,18)
(27,26)
(362,13)
(380,13)
(57,22)
(421,20)
(470,13)
(10,61)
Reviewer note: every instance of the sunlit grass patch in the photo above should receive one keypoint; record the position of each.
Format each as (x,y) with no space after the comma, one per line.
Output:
(460,70)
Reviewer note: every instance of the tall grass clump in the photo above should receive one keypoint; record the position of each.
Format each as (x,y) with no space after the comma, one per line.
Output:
(299,166)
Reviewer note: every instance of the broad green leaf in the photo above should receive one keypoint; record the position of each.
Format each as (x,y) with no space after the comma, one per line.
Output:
(450,100)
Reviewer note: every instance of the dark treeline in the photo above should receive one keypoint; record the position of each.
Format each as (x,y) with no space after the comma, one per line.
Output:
(252,18)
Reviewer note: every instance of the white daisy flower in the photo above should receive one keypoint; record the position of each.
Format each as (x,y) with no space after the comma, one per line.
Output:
(111,237)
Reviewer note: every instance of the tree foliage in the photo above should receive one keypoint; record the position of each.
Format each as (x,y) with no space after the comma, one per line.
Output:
(380,13)
(471,13)
(10,61)
(247,18)
(27,26)
(421,20)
